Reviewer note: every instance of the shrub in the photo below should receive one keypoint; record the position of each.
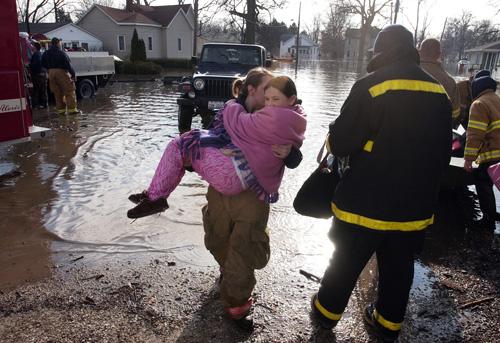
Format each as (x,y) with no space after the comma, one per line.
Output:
(173,63)
(140,68)
(137,48)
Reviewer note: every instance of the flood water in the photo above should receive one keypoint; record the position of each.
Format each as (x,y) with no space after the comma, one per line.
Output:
(71,198)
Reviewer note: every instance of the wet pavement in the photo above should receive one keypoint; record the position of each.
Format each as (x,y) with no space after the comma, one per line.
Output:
(63,222)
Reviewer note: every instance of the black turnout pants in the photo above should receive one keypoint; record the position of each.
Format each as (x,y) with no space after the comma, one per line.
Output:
(354,245)
(484,189)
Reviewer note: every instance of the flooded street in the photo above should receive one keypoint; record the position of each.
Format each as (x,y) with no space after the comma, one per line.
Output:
(65,215)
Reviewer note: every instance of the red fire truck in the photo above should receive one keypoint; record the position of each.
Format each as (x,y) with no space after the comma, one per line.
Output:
(16,123)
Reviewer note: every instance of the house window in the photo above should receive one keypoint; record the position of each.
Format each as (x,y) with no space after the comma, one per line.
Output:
(121,43)
(289,50)
(85,46)
(179,44)
(150,43)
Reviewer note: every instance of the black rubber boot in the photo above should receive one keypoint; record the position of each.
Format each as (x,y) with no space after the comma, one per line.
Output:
(383,334)
(148,207)
(319,318)
(138,197)
(245,323)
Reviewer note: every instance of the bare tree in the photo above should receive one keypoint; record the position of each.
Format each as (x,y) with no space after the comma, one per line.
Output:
(421,35)
(332,37)
(249,11)
(367,10)
(316,30)
(33,11)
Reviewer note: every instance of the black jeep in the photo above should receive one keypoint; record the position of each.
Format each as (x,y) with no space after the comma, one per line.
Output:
(210,86)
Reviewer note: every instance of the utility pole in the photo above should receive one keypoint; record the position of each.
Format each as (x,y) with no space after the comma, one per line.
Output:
(195,35)
(298,42)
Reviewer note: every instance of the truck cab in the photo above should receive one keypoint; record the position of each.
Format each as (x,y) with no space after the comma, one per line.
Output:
(206,91)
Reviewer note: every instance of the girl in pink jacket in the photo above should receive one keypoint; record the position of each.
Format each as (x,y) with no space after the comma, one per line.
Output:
(236,154)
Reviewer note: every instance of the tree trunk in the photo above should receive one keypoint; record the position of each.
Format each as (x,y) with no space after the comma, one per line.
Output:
(251,20)
(362,47)
(26,17)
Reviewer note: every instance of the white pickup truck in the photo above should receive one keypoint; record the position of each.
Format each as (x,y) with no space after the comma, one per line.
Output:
(93,70)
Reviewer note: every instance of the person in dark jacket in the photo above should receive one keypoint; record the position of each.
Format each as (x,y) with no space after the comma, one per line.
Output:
(61,78)
(395,129)
(39,77)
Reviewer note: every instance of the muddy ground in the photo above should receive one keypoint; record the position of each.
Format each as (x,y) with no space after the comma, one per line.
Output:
(456,299)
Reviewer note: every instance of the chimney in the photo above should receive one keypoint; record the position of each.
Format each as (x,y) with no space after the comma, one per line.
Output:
(128,5)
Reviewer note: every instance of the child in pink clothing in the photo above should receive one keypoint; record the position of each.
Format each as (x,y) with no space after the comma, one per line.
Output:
(235,155)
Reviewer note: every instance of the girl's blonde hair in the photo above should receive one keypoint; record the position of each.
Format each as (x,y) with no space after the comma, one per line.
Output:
(284,84)
(253,78)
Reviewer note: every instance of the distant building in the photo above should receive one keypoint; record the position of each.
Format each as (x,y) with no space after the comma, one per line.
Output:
(71,35)
(352,37)
(307,49)
(485,57)
(167,31)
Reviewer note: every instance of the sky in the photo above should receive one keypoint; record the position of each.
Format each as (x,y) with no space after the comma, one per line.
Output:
(437,11)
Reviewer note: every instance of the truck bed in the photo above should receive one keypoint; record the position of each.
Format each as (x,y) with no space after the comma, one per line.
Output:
(92,63)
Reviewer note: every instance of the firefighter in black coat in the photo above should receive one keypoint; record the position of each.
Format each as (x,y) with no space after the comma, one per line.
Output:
(395,129)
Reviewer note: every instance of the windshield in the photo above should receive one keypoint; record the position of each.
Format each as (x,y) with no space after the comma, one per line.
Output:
(245,55)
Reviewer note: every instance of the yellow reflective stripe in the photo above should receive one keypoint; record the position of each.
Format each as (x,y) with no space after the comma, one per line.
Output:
(386,323)
(406,85)
(368,146)
(456,112)
(377,224)
(478,125)
(61,111)
(489,155)
(325,312)
(471,150)
(494,125)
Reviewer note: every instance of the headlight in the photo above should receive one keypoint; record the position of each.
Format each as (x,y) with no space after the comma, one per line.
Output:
(199,84)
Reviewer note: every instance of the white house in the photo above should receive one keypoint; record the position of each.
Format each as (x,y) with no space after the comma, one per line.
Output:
(308,50)
(73,36)
(485,57)
(167,31)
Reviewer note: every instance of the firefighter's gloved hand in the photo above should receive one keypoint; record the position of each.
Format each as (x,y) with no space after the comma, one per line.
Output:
(228,152)
(468,166)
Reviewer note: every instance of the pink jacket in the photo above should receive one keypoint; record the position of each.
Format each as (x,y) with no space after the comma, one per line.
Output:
(254,133)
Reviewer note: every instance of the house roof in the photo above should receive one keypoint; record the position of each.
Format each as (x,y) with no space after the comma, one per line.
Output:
(40,27)
(303,38)
(124,16)
(140,14)
(161,14)
(490,47)
(48,33)
(286,36)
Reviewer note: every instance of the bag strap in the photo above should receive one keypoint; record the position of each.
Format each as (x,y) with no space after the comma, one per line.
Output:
(319,158)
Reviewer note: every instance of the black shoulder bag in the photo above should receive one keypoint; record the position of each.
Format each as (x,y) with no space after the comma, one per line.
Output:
(314,197)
